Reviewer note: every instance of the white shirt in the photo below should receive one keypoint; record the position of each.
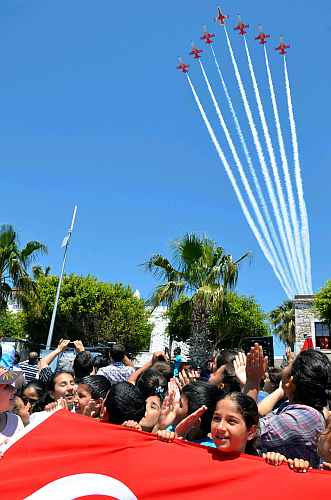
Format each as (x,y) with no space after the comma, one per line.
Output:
(12,430)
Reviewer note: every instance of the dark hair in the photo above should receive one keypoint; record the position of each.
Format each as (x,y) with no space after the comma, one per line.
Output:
(37,386)
(247,407)
(229,379)
(177,351)
(17,358)
(100,362)
(275,376)
(83,364)
(42,394)
(98,385)
(200,393)
(33,358)
(310,372)
(225,356)
(163,368)
(117,352)
(152,383)
(125,402)
(52,380)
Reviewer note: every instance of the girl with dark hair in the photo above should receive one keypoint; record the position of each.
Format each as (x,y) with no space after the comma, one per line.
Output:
(153,386)
(234,424)
(34,394)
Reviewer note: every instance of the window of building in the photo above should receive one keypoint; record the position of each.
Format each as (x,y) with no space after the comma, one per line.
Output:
(322,335)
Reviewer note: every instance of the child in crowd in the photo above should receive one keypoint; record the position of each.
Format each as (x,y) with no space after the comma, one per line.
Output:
(22,409)
(91,393)
(233,427)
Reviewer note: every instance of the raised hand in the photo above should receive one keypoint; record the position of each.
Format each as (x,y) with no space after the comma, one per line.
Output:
(185,377)
(239,364)
(63,344)
(184,427)
(170,405)
(92,409)
(256,364)
(79,346)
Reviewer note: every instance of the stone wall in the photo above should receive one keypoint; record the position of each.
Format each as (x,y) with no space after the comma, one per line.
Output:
(304,319)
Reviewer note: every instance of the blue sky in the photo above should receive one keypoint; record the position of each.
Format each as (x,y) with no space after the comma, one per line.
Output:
(93,112)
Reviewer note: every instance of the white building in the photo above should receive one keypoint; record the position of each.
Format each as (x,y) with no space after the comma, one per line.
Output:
(159,337)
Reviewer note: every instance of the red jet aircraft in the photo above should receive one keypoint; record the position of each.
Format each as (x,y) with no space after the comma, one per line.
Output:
(241,27)
(207,37)
(220,17)
(195,52)
(262,37)
(282,47)
(182,66)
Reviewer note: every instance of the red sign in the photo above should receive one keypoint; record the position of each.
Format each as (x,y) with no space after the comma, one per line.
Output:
(69,456)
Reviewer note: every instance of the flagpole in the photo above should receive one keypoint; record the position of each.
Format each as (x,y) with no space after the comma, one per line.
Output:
(65,243)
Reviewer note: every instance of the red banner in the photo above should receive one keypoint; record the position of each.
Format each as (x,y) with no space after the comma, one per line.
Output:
(69,456)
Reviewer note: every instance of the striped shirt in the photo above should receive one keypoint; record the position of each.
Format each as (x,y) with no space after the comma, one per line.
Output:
(30,371)
(293,432)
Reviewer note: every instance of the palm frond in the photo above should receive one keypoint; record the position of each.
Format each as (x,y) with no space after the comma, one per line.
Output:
(167,293)
(161,268)
(31,250)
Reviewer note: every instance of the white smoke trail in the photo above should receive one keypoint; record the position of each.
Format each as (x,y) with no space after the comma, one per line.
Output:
(233,182)
(279,189)
(298,179)
(288,183)
(274,236)
(275,264)
(260,154)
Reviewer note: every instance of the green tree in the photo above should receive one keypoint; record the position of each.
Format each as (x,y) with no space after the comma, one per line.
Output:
(89,310)
(12,325)
(240,317)
(14,265)
(283,321)
(203,271)
(322,302)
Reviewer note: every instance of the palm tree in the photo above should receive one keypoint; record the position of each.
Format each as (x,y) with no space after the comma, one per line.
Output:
(203,272)
(14,264)
(283,320)
(40,272)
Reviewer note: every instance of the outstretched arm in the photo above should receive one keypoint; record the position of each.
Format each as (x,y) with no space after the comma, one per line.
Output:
(47,360)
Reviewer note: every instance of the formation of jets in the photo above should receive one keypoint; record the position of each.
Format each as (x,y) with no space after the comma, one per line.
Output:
(241,27)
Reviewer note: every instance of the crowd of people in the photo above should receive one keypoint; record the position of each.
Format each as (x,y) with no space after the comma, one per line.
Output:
(236,403)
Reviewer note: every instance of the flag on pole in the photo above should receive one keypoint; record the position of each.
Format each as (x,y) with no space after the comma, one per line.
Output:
(69,456)
(65,241)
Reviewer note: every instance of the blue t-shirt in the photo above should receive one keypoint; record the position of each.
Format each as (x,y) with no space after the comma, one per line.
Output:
(205,442)
(177,363)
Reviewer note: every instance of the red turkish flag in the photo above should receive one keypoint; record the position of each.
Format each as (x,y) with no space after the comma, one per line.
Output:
(69,456)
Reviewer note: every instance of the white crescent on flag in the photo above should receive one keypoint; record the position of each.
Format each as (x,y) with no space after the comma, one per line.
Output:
(81,485)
